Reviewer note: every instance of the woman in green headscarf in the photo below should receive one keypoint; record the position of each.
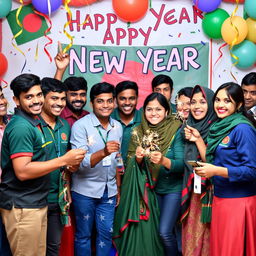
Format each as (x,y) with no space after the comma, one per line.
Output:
(137,217)
(195,209)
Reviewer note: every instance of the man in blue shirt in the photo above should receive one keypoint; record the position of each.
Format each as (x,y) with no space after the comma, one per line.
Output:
(126,112)
(96,184)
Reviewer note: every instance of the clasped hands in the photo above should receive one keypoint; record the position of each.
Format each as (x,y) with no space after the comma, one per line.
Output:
(155,157)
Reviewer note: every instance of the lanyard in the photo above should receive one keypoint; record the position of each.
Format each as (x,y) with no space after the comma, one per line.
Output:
(104,140)
(57,147)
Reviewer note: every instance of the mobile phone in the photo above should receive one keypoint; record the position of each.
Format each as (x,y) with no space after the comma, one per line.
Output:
(193,163)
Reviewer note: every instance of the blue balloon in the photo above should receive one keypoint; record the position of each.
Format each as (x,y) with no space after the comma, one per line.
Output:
(246,53)
(5,7)
(207,5)
(42,5)
(250,8)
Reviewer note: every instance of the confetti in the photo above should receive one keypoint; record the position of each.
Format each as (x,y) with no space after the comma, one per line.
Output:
(192,32)
(179,34)
(203,43)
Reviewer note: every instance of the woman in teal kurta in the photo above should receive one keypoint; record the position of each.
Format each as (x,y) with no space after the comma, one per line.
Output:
(137,217)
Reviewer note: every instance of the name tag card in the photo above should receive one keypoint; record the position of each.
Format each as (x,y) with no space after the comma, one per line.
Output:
(197,184)
(106,162)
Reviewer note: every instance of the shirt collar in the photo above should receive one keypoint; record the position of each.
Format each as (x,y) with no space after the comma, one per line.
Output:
(96,122)
(58,123)
(34,121)
(67,113)
(136,117)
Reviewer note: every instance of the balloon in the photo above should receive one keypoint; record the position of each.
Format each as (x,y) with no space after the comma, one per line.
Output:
(207,5)
(234,1)
(24,1)
(246,53)
(250,8)
(42,5)
(213,21)
(130,10)
(251,24)
(229,33)
(3,64)
(5,7)
(79,3)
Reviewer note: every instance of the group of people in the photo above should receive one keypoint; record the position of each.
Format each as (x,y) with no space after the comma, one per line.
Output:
(163,180)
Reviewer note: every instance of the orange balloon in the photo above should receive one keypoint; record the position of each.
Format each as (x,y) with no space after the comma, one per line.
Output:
(3,64)
(130,10)
(229,32)
(251,24)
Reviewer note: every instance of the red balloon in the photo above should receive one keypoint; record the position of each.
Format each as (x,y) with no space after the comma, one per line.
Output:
(234,1)
(3,64)
(24,1)
(130,10)
(79,3)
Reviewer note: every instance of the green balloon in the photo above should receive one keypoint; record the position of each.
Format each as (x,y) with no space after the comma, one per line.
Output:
(213,21)
(5,7)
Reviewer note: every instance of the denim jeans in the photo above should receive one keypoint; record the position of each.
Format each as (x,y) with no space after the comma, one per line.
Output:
(87,210)
(4,244)
(169,229)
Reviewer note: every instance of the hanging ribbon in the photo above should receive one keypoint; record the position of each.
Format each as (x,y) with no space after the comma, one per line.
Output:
(36,53)
(46,32)
(220,53)
(66,24)
(2,80)
(19,33)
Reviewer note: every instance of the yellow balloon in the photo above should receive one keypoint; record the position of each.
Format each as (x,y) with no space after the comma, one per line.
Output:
(251,24)
(229,32)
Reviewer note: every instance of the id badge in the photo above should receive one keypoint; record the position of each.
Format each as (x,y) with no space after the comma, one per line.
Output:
(106,161)
(197,184)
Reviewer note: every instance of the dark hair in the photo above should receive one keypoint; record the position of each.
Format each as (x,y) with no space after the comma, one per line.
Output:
(161,79)
(52,85)
(186,91)
(236,94)
(125,85)
(160,98)
(24,83)
(100,88)
(74,83)
(249,79)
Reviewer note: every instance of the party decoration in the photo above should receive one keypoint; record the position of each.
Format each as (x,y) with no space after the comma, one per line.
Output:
(212,23)
(207,5)
(3,64)
(42,5)
(130,10)
(234,1)
(24,1)
(250,8)
(5,7)
(66,2)
(33,25)
(251,24)
(234,30)
(246,54)
(79,3)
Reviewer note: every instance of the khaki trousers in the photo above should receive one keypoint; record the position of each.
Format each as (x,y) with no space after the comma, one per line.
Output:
(26,230)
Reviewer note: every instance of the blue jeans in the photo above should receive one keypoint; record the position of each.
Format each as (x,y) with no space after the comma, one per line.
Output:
(87,210)
(4,244)
(169,229)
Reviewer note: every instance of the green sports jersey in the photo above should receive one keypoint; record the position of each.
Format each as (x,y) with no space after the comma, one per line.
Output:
(23,136)
(57,144)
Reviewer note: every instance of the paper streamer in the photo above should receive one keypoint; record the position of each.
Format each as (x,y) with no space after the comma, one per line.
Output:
(66,24)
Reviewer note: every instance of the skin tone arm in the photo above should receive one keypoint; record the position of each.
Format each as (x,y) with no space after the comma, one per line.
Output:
(25,169)
(61,61)
(110,147)
(193,135)
(208,170)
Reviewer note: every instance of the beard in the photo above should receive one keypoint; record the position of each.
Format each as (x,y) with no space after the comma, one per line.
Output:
(76,109)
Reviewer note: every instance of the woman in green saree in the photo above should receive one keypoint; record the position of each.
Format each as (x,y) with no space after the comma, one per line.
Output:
(137,217)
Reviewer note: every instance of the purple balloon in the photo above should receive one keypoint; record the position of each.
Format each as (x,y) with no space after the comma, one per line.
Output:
(207,5)
(42,5)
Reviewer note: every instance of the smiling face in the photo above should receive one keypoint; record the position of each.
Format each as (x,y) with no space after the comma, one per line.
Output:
(3,104)
(31,101)
(54,103)
(164,89)
(249,95)
(103,105)
(199,106)
(224,105)
(183,106)
(76,100)
(127,102)
(155,112)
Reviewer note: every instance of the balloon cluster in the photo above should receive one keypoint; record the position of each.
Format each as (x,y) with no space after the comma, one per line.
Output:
(238,33)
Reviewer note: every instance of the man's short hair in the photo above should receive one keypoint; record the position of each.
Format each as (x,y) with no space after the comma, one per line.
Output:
(161,79)
(24,83)
(249,79)
(74,83)
(186,91)
(52,85)
(100,88)
(125,85)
